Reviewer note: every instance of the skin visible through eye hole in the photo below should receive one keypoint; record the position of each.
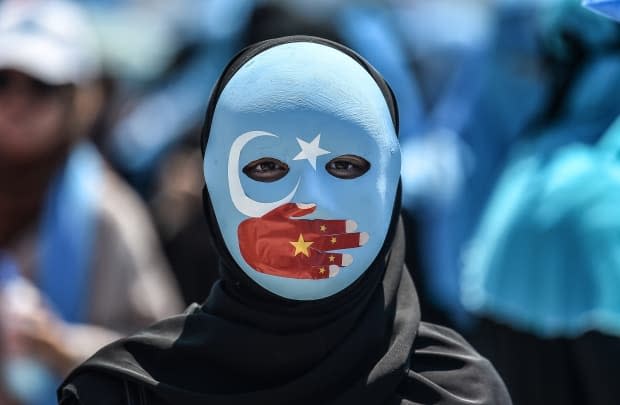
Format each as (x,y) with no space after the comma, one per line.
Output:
(347,166)
(266,170)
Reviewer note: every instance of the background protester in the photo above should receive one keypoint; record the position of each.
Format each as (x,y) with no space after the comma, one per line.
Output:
(541,270)
(69,227)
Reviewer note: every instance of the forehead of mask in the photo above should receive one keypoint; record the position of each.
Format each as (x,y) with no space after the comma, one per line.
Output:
(285,97)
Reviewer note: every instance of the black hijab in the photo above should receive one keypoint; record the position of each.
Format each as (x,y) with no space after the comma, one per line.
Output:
(353,349)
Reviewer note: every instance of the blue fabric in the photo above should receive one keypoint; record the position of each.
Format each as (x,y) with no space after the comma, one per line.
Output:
(67,234)
(138,141)
(65,251)
(31,381)
(317,95)
(66,244)
(27,379)
(608,8)
(215,27)
(514,94)
(66,238)
(592,32)
(8,269)
(370,32)
(547,256)
(479,109)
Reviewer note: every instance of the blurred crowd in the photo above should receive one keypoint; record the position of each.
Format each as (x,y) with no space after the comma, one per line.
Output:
(511,173)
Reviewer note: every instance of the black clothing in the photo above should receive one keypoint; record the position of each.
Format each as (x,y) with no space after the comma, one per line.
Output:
(211,355)
(444,370)
(563,371)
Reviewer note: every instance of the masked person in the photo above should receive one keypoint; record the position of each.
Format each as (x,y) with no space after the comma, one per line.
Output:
(314,305)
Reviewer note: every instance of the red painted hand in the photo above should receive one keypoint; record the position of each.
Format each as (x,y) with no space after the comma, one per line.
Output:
(281,246)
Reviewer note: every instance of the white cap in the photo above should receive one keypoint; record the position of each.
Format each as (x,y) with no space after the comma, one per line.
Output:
(50,40)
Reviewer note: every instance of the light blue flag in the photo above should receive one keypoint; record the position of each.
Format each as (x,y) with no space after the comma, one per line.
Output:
(547,256)
(608,8)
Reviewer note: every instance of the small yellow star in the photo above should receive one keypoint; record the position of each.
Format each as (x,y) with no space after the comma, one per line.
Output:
(323,228)
(301,246)
(333,240)
(332,258)
(322,270)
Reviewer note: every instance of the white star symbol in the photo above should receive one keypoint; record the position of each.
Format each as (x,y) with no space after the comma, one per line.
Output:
(310,151)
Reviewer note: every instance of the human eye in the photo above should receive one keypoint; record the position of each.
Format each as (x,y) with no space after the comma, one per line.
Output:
(266,169)
(347,166)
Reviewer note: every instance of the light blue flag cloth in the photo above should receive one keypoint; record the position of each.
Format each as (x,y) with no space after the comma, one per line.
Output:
(608,8)
(479,107)
(370,31)
(67,233)
(588,108)
(66,243)
(138,142)
(25,378)
(546,258)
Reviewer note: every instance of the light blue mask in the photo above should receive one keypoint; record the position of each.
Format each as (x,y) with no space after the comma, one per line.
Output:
(309,234)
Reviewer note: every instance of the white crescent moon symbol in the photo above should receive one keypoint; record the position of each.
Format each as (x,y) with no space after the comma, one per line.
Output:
(242,202)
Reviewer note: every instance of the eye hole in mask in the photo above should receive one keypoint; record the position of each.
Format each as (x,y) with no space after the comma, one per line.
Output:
(347,166)
(266,169)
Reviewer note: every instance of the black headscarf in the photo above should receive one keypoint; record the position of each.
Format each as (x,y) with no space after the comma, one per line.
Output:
(353,349)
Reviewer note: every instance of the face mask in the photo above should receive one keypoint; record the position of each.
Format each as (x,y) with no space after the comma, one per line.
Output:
(302,166)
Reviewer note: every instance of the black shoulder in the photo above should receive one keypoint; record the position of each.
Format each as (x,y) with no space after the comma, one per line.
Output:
(446,370)
(93,389)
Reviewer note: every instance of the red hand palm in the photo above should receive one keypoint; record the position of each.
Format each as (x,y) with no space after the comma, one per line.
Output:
(297,248)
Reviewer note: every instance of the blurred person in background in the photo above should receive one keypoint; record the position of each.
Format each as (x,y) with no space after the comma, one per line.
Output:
(542,269)
(484,83)
(161,59)
(69,227)
(507,70)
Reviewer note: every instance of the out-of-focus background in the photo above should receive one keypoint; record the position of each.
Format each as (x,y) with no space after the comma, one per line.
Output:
(511,173)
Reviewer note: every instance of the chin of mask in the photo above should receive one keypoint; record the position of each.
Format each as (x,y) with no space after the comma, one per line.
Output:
(302,166)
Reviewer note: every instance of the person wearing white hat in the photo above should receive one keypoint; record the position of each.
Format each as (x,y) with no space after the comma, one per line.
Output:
(67,223)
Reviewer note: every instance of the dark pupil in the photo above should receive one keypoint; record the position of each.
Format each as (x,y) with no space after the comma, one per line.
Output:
(266,169)
(342,165)
(267,166)
(347,166)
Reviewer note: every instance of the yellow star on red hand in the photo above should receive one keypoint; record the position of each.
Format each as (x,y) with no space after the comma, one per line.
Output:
(301,246)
